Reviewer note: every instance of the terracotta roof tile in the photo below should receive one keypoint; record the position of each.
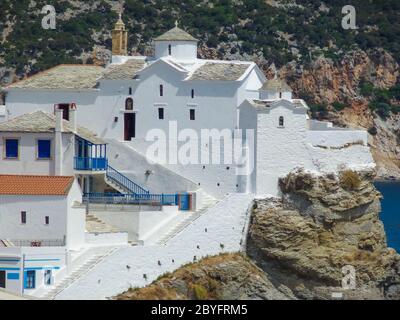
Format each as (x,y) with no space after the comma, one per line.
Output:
(35,185)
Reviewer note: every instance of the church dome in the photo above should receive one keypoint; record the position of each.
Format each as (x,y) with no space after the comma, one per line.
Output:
(176,43)
(176,34)
(275,89)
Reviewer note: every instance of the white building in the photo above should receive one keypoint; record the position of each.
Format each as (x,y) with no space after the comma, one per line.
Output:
(41,211)
(41,220)
(173,91)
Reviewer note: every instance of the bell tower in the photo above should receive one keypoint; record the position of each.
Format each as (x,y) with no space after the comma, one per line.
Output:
(120,38)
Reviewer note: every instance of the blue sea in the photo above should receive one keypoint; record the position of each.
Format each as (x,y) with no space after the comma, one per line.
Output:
(391,212)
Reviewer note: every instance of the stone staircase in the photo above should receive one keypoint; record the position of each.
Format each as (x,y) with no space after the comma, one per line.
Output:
(78,273)
(95,225)
(122,183)
(188,219)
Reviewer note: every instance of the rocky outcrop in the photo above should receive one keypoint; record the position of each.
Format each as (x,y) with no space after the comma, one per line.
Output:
(322,224)
(224,277)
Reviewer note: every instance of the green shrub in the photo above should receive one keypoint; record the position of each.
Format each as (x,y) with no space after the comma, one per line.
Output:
(338,106)
(366,89)
(200,293)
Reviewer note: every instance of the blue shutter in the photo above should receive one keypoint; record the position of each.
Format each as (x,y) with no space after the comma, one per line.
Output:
(25,280)
(12,148)
(44,149)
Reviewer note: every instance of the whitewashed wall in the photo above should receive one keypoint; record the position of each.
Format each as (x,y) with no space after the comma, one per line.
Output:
(221,229)
(336,138)
(180,50)
(65,221)
(28,162)
(37,208)
(279,149)
(76,218)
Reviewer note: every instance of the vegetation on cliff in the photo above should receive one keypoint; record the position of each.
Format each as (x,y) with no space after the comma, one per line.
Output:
(223,277)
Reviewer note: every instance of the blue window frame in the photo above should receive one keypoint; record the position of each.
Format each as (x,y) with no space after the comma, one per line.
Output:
(30,279)
(12,148)
(44,149)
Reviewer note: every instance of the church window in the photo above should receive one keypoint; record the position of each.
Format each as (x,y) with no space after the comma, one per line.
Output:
(161,113)
(130,91)
(192,114)
(280,95)
(129,104)
(192,93)
(169,49)
(161,90)
(281,121)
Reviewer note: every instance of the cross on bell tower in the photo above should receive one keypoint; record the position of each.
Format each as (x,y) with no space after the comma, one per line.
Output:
(120,38)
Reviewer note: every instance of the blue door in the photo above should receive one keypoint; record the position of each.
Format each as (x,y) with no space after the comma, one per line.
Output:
(184,202)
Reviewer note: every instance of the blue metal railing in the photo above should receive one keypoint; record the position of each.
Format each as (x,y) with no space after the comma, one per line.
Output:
(90,164)
(125,182)
(134,199)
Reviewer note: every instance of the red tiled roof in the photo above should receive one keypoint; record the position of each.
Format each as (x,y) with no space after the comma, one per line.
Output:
(35,185)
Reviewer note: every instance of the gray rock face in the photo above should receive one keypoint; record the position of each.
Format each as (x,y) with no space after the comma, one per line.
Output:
(320,226)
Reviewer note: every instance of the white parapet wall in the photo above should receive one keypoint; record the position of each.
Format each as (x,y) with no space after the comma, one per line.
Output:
(221,229)
(107,239)
(138,225)
(336,138)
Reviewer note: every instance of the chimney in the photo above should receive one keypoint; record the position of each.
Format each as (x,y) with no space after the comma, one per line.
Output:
(73,118)
(58,152)
(59,120)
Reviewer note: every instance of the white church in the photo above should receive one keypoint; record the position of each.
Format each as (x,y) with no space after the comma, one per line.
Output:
(100,125)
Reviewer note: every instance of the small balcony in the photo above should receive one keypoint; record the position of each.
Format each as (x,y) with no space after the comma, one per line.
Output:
(90,164)
(90,156)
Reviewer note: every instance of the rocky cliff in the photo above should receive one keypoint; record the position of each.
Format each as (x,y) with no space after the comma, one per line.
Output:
(301,246)
(229,276)
(322,224)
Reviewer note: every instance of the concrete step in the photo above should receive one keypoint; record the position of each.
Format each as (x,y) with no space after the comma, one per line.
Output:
(76,274)
(207,202)
(95,225)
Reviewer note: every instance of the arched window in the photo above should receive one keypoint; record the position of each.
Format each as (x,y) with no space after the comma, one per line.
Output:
(169,49)
(281,121)
(161,90)
(130,91)
(129,104)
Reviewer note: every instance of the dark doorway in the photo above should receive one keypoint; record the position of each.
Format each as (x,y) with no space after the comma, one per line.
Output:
(2,279)
(65,109)
(130,126)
